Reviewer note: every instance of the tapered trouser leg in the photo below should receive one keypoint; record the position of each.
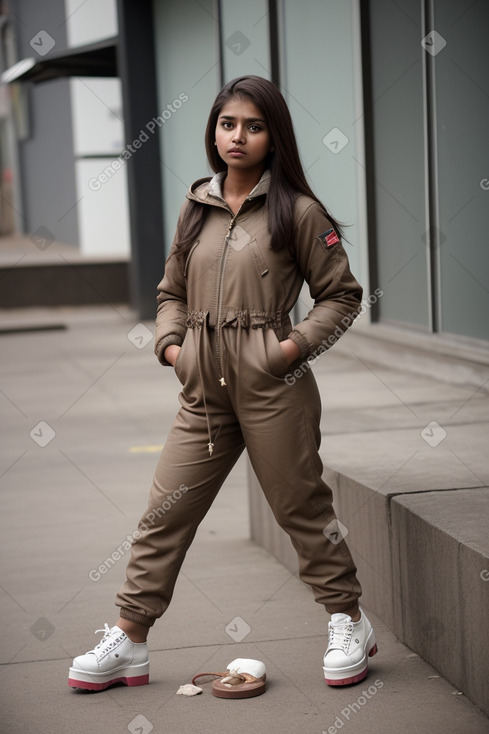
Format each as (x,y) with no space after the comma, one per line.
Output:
(186,481)
(281,427)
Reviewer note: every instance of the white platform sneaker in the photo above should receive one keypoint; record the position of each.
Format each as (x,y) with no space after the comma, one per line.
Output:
(350,645)
(116,659)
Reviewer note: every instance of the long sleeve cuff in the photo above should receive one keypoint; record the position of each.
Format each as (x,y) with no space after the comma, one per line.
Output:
(163,344)
(301,342)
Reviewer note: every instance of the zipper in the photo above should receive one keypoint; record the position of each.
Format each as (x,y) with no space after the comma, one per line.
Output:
(224,256)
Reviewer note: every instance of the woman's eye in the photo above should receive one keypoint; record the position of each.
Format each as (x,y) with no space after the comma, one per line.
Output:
(255,128)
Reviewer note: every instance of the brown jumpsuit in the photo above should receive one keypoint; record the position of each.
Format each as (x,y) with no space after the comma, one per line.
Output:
(229,308)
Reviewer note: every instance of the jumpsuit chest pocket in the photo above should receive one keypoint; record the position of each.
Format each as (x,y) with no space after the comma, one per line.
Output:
(240,240)
(259,260)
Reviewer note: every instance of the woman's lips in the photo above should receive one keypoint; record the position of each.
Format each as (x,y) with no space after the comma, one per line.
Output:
(236,151)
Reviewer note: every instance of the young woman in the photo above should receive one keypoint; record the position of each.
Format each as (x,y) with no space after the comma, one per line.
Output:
(245,241)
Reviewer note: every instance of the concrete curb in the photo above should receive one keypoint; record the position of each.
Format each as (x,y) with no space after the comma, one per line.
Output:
(416,508)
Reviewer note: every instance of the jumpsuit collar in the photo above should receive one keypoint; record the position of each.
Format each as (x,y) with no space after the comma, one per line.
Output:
(209,190)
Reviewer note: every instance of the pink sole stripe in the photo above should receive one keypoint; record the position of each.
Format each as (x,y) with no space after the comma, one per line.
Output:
(346,681)
(139,680)
(355,678)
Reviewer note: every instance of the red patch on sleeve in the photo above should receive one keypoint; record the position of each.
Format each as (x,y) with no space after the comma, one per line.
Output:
(329,237)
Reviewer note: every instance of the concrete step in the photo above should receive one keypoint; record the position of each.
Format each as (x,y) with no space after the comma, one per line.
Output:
(406,457)
(54,274)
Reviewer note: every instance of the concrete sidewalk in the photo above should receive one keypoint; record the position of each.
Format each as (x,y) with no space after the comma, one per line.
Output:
(87,408)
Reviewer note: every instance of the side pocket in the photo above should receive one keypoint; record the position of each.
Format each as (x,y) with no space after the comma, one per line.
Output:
(178,364)
(277,362)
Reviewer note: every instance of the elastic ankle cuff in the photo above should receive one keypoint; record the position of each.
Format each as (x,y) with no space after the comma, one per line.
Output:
(136,617)
(339,608)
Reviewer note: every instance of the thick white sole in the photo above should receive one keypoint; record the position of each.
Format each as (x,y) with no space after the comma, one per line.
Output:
(130,675)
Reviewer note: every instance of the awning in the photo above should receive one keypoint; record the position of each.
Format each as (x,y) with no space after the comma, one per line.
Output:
(95,59)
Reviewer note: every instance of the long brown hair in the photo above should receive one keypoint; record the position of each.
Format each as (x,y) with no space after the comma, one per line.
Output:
(287,175)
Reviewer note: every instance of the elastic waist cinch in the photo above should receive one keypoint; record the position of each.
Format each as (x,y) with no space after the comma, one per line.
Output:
(245,319)
(234,317)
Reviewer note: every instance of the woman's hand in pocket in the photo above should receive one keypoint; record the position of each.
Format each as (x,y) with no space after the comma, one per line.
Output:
(171,354)
(291,350)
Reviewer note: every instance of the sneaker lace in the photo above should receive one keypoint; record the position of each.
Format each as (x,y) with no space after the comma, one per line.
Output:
(108,641)
(106,631)
(340,636)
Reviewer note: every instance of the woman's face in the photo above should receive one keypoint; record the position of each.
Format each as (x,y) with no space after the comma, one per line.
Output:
(242,137)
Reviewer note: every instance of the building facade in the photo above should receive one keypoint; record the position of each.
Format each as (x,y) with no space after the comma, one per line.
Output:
(390,106)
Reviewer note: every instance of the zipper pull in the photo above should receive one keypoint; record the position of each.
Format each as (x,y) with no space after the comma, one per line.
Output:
(210,446)
(223,382)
